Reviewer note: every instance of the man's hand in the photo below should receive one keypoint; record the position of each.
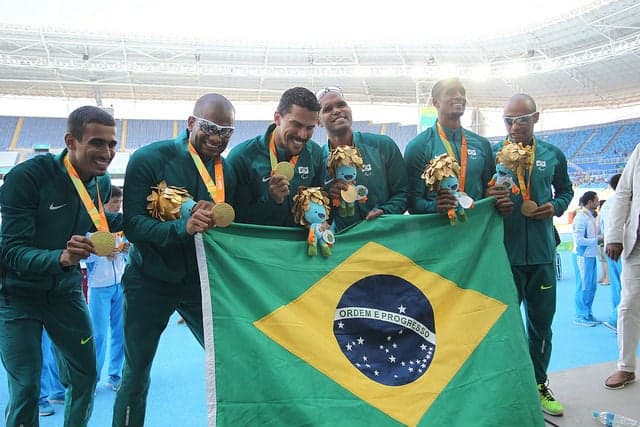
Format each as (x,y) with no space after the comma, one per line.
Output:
(201,218)
(278,188)
(337,185)
(374,213)
(445,200)
(544,211)
(614,250)
(503,202)
(78,247)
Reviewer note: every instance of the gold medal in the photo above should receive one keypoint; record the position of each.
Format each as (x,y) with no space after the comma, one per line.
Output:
(349,195)
(224,214)
(103,242)
(285,169)
(528,207)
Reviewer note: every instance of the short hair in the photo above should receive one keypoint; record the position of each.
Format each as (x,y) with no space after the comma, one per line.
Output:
(213,99)
(299,96)
(437,88)
(613,181)
(81,117)
(587,197)
(116,191)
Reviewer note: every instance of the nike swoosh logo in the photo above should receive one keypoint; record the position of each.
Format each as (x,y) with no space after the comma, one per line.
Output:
(53,208)
(85,340)
(266,178)
(544,288)
(329,181)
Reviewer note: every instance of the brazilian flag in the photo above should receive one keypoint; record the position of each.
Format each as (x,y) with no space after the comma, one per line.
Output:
(410,321)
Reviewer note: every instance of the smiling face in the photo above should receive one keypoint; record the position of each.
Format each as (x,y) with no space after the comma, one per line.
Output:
(93,152)
(346,173)
(295,128)
(451,100)
(335,114)
(207,132)
(315,214)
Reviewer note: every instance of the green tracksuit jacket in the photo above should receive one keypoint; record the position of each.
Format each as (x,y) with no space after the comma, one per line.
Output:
(252,165)
(41,210)
(164,250)
(383,173)
(427,145)
(529,241)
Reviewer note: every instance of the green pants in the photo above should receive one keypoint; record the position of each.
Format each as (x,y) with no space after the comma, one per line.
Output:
(66,319)
(148,305)
(536,285)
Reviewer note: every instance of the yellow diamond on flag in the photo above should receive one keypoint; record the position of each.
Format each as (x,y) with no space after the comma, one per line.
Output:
(461,318)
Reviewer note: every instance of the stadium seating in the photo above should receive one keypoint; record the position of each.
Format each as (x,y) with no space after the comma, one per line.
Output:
(7,127)
(593,152)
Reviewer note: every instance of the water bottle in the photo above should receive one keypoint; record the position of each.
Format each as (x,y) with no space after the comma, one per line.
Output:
(609,419)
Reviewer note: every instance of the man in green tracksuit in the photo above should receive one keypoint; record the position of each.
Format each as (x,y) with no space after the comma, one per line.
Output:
(383,171)
(264,195)
(46,204)
(529,236)
(472,152)
(162,274)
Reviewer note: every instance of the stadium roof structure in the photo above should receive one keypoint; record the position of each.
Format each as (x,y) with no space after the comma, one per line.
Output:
(587,58)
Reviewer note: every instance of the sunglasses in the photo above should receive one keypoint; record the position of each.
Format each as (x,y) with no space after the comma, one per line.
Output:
(519,120)
(329,89)
(214,129)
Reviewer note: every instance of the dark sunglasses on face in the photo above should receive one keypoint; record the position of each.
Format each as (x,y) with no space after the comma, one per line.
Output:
(520,120)
(213,129)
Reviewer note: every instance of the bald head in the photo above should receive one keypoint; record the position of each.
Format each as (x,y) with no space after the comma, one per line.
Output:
(213,103)
(524,100)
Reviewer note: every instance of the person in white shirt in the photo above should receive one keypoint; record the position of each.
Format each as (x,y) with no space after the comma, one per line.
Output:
(585,239)
(621,238)
(105,299)
(614,267)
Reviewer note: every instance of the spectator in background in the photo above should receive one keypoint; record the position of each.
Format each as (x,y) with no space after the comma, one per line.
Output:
(585,242)
(383,171)
(48,204)
(530,239)
(614,266)
(161,276)
(473,153)
(104,274)
(51,389)
(621,236)
(265,195)
(603,277)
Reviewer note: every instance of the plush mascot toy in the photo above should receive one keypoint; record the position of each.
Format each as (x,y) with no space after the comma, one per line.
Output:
(343,163)
(504,177)
(442,172)
(311,210)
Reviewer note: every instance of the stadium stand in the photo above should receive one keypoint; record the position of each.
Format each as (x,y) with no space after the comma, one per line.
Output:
(593,152)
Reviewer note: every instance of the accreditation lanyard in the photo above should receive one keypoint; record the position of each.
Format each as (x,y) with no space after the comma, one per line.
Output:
(216,190)
(463,154)
(273,155)
(97,215)
(525,188)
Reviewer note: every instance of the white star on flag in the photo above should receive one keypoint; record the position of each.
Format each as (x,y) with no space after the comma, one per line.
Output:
(402,309)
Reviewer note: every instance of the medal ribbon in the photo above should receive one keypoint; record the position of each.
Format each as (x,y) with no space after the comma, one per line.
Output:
(216,190)
(463,154)
(98,217)
(273,156)
(525,188)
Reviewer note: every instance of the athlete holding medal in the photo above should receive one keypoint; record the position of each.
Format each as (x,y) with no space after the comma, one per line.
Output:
(471,151)
(545,191)
(49,203)
(173,189)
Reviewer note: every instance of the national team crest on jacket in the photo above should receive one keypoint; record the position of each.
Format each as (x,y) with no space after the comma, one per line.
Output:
(385,327)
